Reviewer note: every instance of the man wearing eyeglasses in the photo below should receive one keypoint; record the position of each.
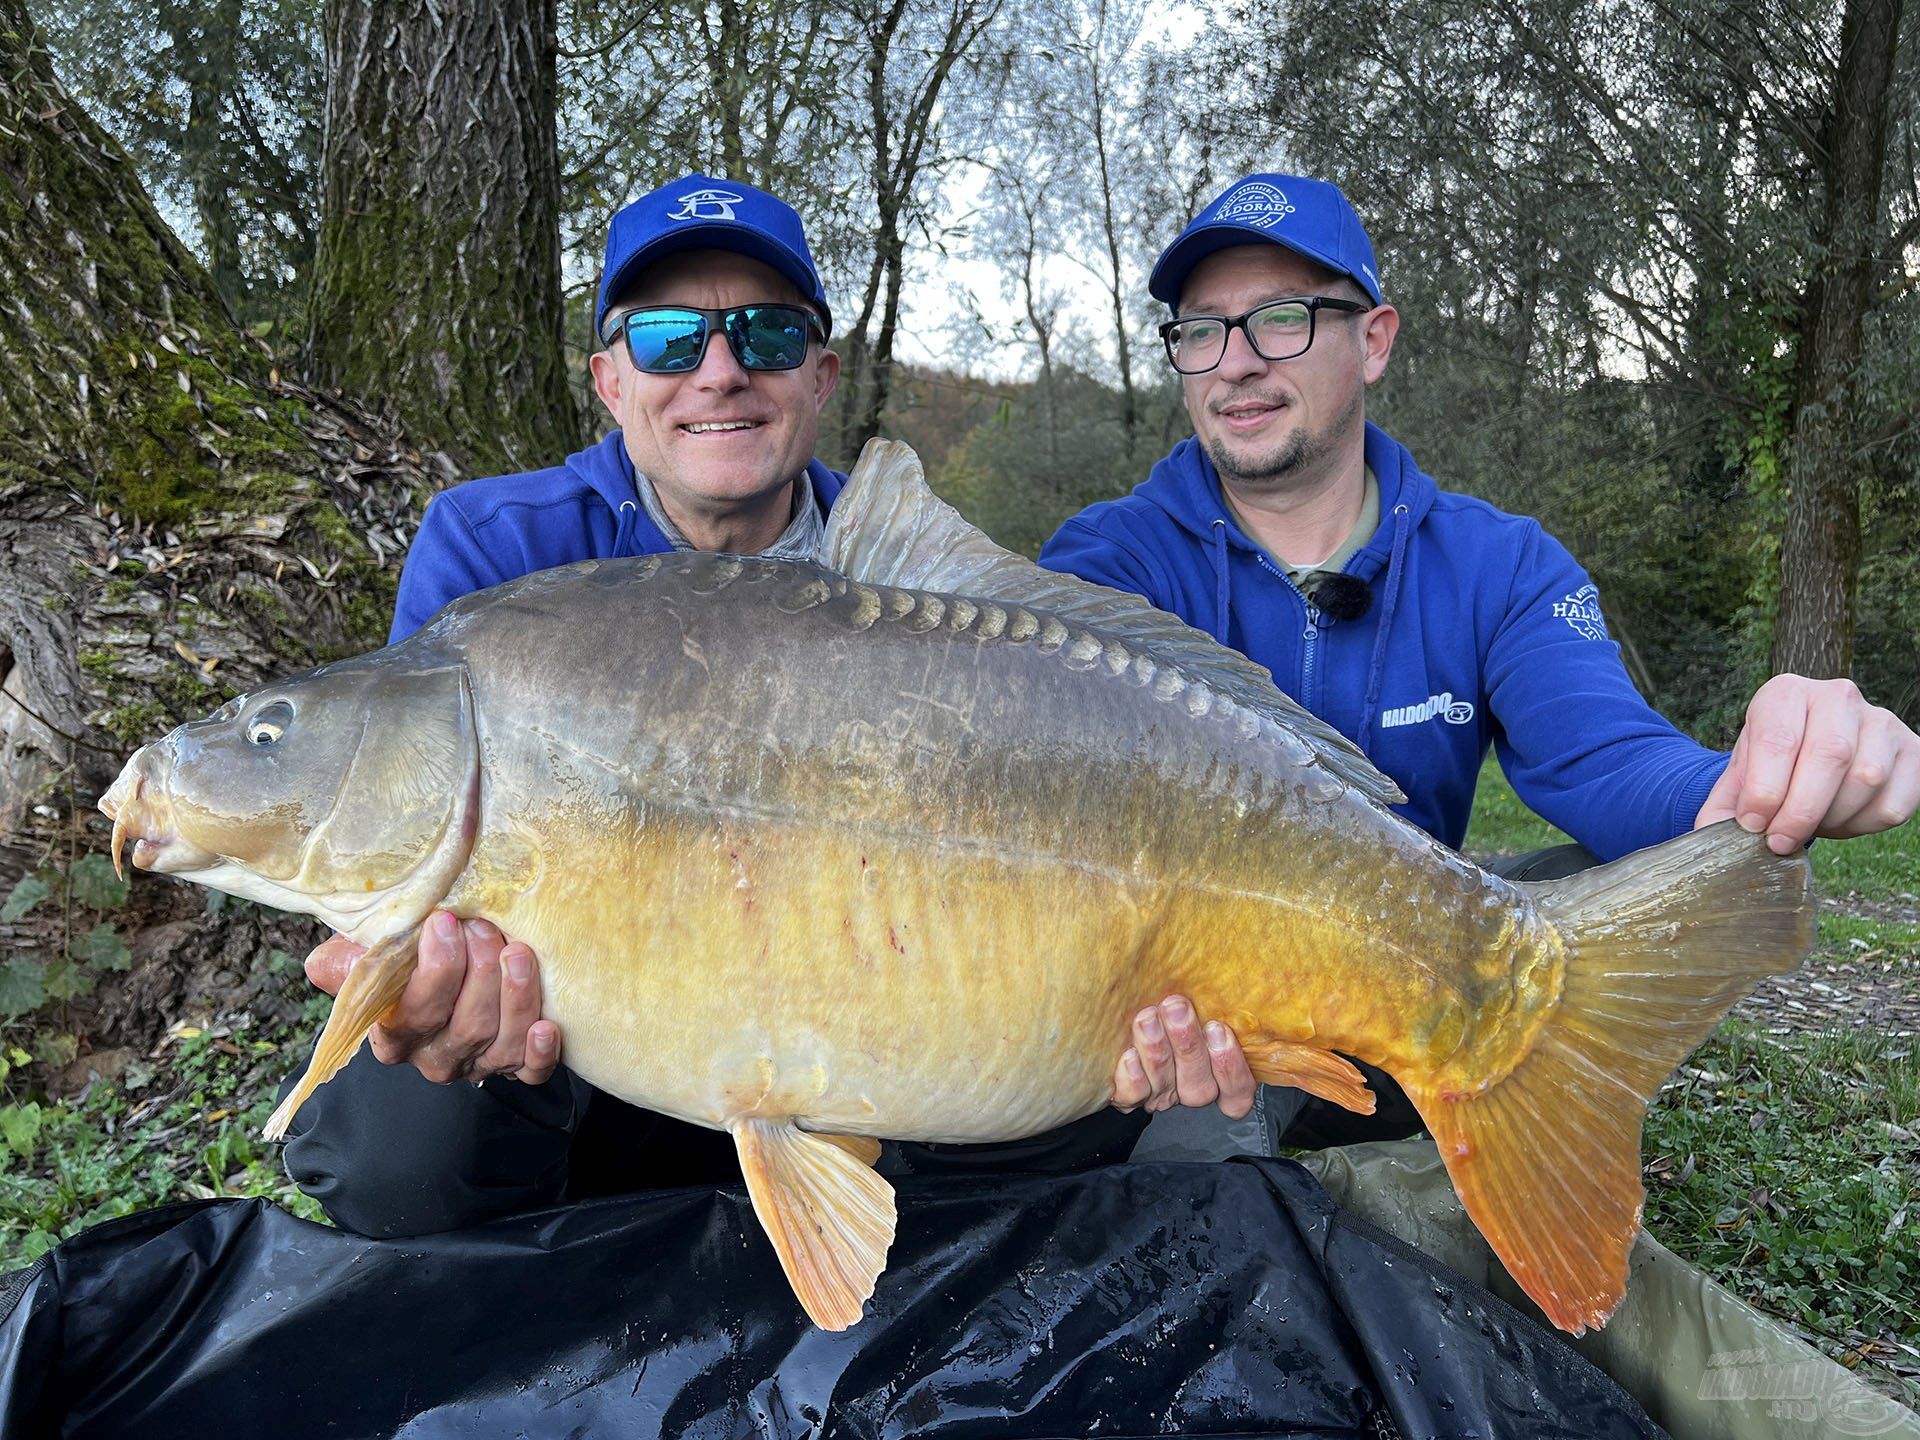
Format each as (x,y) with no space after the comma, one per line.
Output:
(1425,625)
(715,369)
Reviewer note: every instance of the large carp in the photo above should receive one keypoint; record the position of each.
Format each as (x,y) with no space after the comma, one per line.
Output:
(896,845)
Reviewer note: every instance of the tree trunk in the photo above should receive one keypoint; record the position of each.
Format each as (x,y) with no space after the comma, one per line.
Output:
(438,284)
(1820,551)
(177,527)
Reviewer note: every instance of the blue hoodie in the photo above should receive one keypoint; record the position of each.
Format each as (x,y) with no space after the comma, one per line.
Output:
(486,532)
(1483,631)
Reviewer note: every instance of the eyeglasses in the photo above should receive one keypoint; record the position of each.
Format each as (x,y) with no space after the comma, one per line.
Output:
(1277,330)
(672,339)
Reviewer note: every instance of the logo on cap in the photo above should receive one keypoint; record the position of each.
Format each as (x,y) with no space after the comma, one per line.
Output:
(1256,203)
(707,205)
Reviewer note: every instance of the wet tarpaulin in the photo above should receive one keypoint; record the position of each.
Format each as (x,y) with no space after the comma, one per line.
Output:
(1137,1300)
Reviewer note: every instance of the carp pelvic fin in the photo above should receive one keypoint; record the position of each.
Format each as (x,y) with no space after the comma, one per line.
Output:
(1658,947)
(371,989)
(829,1216)
(1309,1068)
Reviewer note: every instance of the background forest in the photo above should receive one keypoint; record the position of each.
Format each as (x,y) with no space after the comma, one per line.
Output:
(274,271)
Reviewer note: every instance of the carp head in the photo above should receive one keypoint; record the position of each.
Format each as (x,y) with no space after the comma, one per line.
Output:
(350,793)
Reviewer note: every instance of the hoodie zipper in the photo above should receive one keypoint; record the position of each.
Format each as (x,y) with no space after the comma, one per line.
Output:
(1309,637)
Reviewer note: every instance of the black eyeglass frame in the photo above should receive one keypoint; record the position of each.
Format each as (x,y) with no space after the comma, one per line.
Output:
(716,321)
(1314,303)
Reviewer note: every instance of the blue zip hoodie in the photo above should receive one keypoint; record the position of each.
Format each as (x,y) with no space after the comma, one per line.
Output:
(1483,631)
(486,532)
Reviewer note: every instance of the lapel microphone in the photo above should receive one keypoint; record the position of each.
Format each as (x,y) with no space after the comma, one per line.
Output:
(1343,597)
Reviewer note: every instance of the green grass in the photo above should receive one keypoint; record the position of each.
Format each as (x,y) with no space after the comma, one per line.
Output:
(183,1125)
(1788,1167)
(1884,867)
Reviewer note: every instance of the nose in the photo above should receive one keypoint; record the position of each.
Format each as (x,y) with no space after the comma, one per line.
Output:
(719,371)
(1239,360)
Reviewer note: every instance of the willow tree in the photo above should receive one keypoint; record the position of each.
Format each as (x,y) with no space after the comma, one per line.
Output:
(438,280)
(177,525)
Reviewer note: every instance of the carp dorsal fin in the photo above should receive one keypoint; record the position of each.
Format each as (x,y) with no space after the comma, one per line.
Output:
(888,528)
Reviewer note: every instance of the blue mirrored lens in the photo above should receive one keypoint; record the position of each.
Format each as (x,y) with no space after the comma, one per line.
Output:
(768,337)
(666,342)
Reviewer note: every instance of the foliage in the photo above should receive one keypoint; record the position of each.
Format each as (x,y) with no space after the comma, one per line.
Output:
(88,942)
(1041,457)
(181,1124)
(1788,1168)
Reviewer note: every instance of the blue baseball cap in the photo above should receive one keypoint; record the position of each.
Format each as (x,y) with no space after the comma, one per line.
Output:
(698,212)
(1309,217)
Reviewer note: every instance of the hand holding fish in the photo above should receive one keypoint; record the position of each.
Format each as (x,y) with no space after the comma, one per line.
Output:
(1814,758)
(1175,1061)
(471,1009)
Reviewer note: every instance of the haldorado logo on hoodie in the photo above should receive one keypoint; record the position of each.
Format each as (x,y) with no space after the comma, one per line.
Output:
(1443,706)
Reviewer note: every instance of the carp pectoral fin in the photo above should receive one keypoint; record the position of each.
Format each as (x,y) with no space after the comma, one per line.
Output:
(829,1216)
(1309,1068)
(1658,947)
(371,988)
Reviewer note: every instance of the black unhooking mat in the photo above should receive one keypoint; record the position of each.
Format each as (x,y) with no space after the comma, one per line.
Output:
(1139,1300)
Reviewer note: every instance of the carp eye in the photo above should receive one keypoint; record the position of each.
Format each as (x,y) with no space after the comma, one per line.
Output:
(270,723)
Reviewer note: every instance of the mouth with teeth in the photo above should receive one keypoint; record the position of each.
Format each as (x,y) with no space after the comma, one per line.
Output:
(719,427)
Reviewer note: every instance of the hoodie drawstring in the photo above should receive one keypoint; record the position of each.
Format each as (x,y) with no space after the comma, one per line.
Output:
(628,513)
(1221,591)
(1377,670)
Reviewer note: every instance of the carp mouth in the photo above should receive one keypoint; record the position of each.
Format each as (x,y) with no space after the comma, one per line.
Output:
(140,814)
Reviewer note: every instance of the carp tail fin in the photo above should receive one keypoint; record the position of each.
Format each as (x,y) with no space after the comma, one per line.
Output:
(1658,946)
(830,1217)
(369,991)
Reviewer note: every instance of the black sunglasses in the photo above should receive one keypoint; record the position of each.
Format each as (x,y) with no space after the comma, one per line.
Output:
(1277,330)
(672,339)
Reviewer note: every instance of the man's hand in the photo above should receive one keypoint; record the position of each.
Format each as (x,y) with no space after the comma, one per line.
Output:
(472,1008)
(1815,759)
(1175,1060)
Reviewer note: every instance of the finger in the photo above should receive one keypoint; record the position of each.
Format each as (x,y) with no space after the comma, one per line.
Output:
(1156,1057)
(475,1022)
(543,1053)
(519,1008)
(1130,1087)
(1776,723)
(1230,1073)
(1874,758)
(1193,1066)
(1724,797)
(329,961)
(1898,798)
(426,1004)
(1827,749)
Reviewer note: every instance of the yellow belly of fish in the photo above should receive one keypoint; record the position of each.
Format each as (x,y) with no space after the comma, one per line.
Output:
(846,982)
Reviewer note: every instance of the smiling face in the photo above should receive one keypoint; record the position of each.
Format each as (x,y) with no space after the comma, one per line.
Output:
(1283,425)
(721,444)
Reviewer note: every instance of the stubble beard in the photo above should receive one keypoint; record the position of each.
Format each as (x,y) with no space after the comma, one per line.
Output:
(1300,461)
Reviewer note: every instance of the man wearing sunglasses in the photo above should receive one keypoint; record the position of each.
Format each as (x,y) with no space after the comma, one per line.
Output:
(1426,626)
(715,369)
